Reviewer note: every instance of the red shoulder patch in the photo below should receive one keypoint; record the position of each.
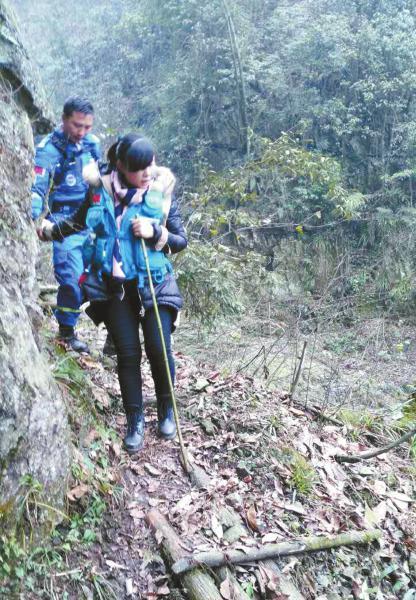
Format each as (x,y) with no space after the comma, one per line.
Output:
(82,279)
(39,171)
(96,198)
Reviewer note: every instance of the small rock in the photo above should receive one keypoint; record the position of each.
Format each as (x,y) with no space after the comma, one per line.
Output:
(235,500)
(129,587)
(242,470)
(208,426)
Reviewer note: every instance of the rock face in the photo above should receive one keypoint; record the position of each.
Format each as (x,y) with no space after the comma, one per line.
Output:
(34,437)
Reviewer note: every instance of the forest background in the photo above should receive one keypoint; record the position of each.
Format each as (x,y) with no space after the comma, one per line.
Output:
(291,126)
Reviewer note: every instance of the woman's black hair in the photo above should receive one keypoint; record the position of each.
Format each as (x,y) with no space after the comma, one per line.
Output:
(134,152)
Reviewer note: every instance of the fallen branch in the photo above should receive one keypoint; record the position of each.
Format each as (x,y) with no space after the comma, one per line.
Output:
(198,584)
(372,453)
(320,414)
(286,586)
(307,545)
(234,529)
(232,524)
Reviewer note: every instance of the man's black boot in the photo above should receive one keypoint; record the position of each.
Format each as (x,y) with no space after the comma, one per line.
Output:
(166,427)
(134,439)
(68,336)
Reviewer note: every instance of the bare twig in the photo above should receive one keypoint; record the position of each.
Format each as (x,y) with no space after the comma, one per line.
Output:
(372,453)
(295,381)
(319,413)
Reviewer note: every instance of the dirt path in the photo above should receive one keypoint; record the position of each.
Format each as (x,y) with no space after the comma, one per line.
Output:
(270,461)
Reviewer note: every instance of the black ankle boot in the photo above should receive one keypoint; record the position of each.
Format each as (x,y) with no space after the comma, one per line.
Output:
(134,439)
(166,426)
(68,336)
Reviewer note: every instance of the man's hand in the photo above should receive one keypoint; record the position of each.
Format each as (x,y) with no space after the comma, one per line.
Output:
(45,231)
(142,228)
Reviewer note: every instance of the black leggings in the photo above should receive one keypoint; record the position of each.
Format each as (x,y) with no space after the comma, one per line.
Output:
(122,321)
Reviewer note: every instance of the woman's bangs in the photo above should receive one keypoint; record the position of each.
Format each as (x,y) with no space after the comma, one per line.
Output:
(139,163)
(139,156)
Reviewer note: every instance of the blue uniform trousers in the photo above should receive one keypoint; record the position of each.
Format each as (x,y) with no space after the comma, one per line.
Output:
(68,267)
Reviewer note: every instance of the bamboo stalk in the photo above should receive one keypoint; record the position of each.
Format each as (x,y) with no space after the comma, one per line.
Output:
(372,453)
(314,544)
(198,584)
(185,461)
(239,78)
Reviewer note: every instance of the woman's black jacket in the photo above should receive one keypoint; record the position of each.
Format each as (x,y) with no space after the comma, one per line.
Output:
(97,290)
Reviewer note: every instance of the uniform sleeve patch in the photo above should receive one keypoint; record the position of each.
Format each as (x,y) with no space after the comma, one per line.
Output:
(96,198)
(40,171)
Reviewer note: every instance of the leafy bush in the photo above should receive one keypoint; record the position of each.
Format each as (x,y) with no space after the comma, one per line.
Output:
(219,282)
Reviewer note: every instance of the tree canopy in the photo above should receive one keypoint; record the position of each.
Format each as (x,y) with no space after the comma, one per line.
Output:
(304,110)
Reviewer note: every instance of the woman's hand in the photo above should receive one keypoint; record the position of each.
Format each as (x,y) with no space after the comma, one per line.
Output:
(142,228)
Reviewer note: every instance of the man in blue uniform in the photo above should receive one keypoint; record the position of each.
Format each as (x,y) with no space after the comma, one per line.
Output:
(60,158)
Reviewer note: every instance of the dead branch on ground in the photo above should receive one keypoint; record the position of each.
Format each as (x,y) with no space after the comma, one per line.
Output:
(314,544)
(345,458)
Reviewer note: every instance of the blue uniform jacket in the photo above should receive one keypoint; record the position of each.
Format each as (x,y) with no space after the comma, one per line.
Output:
(58,172)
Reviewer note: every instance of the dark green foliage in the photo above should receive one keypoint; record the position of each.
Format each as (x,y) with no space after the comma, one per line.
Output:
(221,282)
(339,74)
(330,203)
